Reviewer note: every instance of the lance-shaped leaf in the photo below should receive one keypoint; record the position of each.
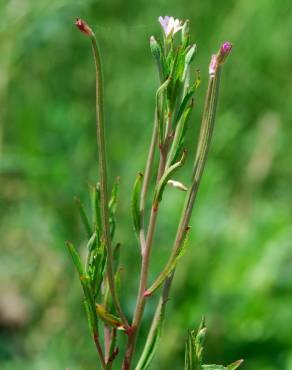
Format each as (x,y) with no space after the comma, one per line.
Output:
(189,57)
(169,267)
(96,208)
(235,365)
(185,101)
(136,213)
(76,259)
(166,176)
(91,246)
(109,318)
(90,317)
(113,202)
(185,33)
(159,109)
(98,267)
(178,140)
(199,341)
(176,71)
(190,354)
(194,347)
(84,217)
(85,283)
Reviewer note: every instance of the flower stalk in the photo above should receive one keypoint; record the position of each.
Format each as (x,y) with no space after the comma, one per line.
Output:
(100,131)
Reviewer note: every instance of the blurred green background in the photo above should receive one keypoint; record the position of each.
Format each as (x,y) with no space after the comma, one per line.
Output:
(237,271)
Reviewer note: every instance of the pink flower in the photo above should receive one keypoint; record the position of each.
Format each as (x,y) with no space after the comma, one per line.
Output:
(170,25)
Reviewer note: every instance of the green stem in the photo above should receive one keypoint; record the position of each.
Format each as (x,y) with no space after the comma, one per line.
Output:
(103,177)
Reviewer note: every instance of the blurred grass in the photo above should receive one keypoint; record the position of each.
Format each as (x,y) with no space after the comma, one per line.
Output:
(238,271)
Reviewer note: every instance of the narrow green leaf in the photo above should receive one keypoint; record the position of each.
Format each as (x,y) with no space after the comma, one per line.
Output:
(159,109)
(235,365)
(185,33)
(96,206)
(163,181)
(184,104)
(76,259)
(109,318)
(91,242)
(190,354)
(85,283)
(194,347)
(199,341)
(114,196)
(179,136)
(136,214)
(189,57)
(113,206)
(91,246)
(90,319)
(84,217)
(170,266)
(98,268)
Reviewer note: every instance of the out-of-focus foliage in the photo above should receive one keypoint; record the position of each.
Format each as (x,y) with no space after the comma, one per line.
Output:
(238,269)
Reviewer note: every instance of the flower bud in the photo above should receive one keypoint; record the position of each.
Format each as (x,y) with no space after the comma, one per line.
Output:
(185,32)
(155,48)
(219,58)
(224,51)
(83,27)
(158,55)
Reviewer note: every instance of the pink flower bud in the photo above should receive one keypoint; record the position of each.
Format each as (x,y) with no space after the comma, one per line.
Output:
(83,27)
(219,58)
(224,51)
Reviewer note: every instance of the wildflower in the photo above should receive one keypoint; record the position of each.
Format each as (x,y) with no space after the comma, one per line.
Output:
(170,25)
(220,57)
(83,27)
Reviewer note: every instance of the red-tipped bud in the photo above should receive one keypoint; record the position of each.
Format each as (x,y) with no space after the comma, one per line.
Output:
(224,51)
(220,57)
(83,27)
